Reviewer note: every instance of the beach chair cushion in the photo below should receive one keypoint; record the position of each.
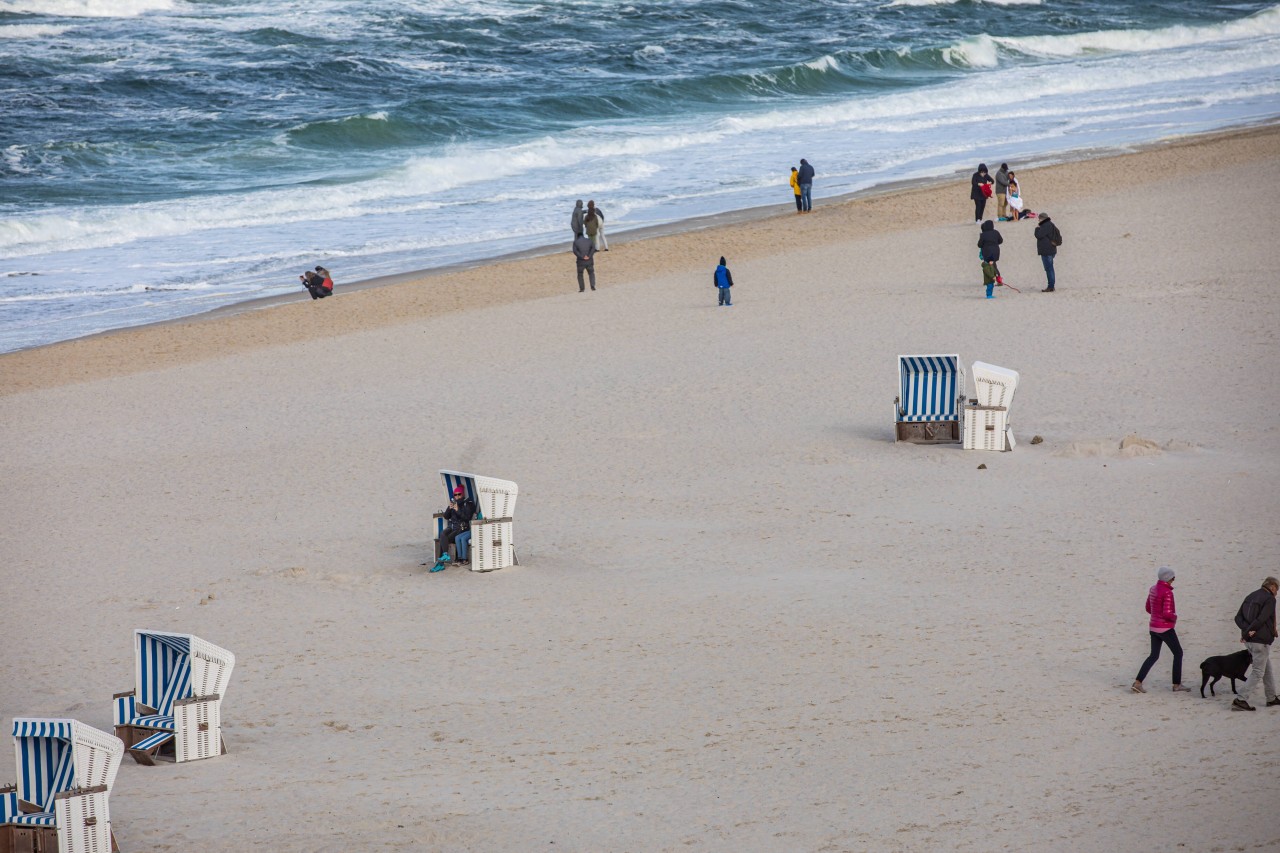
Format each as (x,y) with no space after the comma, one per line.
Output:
(154,721)
(929,386)
(35,819)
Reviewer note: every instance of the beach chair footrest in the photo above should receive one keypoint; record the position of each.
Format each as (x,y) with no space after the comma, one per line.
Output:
(145,750)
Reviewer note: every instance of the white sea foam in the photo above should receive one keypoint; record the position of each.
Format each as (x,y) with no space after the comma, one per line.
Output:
(31,31)
(823,63)
(983,51)
(87,8)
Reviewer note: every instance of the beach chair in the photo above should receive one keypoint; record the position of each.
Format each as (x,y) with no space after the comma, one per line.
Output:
(986,417)
(928,407)
(65,773)
(491,530)
(175,706)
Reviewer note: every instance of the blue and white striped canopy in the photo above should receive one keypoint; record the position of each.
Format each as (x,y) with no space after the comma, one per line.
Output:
(930,386)
(163,669)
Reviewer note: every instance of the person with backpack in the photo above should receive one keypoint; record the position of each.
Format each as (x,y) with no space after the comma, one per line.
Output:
(1048,239)
(723,280)
(1164,614)
(1256,620)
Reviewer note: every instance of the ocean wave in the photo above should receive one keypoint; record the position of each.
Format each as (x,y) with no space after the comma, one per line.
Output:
(983,51)
(105,293)
(31,31)
(87,8)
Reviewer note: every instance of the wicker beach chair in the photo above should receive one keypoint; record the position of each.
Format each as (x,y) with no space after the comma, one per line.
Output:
(927,409)
(491,530)
(176,704)
(986,417)
(65,773)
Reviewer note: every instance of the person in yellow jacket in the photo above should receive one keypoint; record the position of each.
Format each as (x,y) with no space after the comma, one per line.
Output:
(795,187)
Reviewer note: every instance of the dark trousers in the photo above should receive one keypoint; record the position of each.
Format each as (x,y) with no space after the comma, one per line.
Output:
(979,205)
(446,539)
(591,273)
(1171,639)
(798,200)
(318,291)
(1047,260)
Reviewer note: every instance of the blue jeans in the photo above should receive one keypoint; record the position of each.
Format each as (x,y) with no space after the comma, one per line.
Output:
(461,543)
(724,296)
(1047,260)
(806,196)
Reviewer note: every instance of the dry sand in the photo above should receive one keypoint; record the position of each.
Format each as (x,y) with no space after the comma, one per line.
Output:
(745,619)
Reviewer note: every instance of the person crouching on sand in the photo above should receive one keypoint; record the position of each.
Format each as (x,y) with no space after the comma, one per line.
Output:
(724,281)
(1163,616)
(317,283)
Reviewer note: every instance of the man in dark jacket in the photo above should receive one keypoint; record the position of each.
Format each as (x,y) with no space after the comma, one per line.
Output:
(1257,622)
(1002,192)
(576,219)
(1048,239)
(584,251)
(989,252)
(806,186)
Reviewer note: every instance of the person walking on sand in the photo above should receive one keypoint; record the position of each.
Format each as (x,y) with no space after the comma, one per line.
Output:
(1002,191)
(1164,614)
(723,280)
(585,253)
(1048,239)
(1257,622)
(575,221)
(795,188)
(980,190)
(805,179)
(989,253)
(594,224)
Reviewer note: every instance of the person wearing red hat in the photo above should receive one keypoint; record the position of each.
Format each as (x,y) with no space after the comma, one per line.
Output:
(457,525)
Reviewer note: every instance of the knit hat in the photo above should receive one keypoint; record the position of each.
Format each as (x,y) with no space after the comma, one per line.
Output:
(1165,574)
(458,490)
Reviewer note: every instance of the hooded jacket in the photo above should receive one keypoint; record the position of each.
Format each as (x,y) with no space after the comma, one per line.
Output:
(1161,607)
(979,178)
(1261,605)
(795,182)
(1046,231)
(723,278)
(989,242)
(806,173)
(575,221)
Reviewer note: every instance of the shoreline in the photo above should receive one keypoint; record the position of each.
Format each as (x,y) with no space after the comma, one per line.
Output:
(155,345)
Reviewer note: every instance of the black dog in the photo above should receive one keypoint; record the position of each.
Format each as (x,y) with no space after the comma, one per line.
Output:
(1233,666)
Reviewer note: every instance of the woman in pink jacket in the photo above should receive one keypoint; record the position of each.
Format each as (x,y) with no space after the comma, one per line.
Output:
(1163,616)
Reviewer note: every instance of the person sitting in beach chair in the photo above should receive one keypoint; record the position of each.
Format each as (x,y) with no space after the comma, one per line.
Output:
(457,520)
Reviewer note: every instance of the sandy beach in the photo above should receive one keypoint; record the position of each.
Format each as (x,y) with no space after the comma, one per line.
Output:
(745,619)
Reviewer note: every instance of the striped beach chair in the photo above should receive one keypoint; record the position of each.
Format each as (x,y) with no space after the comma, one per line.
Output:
(986,417)
(928,407)
(491,530)
(176,703)
(65,773)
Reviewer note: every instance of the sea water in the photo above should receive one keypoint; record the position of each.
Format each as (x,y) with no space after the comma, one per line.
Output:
(160,158)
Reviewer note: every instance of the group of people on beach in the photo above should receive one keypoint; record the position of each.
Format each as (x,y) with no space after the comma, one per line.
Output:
(1256,620)
(318,282)
(1009,208)
(802,185)
(588,238)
